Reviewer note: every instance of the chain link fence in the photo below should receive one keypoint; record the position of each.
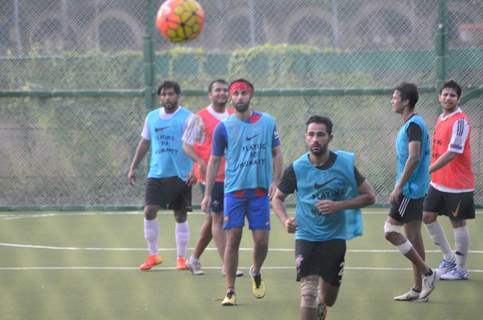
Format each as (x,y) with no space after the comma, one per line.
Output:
(75,84)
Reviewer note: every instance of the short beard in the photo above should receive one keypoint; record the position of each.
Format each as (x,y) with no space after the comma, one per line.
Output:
(321,150)
(241,107)
(169,106)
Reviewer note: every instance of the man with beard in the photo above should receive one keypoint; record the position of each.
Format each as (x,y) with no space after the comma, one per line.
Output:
(170,172)
(329,192)
(197,145)
(249,141)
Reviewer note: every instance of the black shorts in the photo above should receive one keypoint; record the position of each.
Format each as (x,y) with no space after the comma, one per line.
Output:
(217,196)
(457,206)
(168,193)
(407,209)
(321,258)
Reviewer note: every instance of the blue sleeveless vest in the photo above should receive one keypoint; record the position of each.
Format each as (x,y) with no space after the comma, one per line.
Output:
(167,156)
(335,183)
(417,185)
(249,153)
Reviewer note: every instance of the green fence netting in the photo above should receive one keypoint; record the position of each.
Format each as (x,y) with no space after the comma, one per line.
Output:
(77,78)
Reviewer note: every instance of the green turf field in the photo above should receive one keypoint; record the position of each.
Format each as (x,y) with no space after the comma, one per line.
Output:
(82,265)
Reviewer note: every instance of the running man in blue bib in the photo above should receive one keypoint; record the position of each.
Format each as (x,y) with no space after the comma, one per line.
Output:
(250,144)
(329,192)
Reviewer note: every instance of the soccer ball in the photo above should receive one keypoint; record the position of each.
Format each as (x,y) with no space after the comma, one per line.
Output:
(180,20)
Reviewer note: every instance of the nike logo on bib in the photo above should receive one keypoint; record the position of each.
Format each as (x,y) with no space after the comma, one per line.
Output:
(252,137)
(318,186)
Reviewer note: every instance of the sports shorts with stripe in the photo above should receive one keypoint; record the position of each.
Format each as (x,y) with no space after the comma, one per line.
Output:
(407,209)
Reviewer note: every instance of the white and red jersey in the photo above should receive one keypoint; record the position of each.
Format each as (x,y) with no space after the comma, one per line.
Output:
(452,133)
(200,136)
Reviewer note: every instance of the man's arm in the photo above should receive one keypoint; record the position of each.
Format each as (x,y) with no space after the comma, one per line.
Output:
(365,197)
(213,165)
(459,135)
(412,161)
(194,133)
(190,152)
(446,158)
(281,212)
(277,170)
(141,150)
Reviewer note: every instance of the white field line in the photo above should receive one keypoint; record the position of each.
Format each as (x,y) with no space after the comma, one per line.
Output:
(32,246)
(275,268)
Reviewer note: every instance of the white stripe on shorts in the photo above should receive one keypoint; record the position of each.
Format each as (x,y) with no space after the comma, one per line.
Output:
(403,206)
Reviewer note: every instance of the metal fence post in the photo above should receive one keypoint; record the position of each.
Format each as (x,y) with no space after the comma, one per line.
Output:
(148,54)
(441,43)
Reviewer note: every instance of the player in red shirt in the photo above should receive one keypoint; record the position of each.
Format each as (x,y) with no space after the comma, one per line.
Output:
(452,183)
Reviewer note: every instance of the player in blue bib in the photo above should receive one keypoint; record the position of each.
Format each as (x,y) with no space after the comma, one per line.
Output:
(249,142)
(170,172)
(412,181)
(329,193)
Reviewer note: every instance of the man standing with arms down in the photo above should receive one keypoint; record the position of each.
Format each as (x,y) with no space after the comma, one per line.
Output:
(452,183)
(412,176)
(249,141)
(330,192)
(170,177)
(197,145)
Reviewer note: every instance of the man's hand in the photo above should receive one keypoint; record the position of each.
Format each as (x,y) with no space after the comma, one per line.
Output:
(290,225)
(131,176)
(394,195)
(328,206)
(205,203)
(191,179)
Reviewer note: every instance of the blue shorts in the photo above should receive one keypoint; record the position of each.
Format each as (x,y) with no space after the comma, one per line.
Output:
(255,207)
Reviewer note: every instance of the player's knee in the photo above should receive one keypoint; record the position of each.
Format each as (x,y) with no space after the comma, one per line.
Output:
(217,218)
(429,217)
(391,231)
(150,212)
(180,216)
(308,292)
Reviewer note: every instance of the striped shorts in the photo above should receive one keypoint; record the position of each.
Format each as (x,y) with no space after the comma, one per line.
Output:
(407,209)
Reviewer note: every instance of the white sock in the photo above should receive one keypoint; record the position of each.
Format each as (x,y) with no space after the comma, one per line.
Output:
(462,241)
(151,234)
(439,238)
(182,237)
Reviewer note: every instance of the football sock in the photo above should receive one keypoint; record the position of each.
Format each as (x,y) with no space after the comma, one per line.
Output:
(439,238)
(151,234)
(462,240)
(182,237)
